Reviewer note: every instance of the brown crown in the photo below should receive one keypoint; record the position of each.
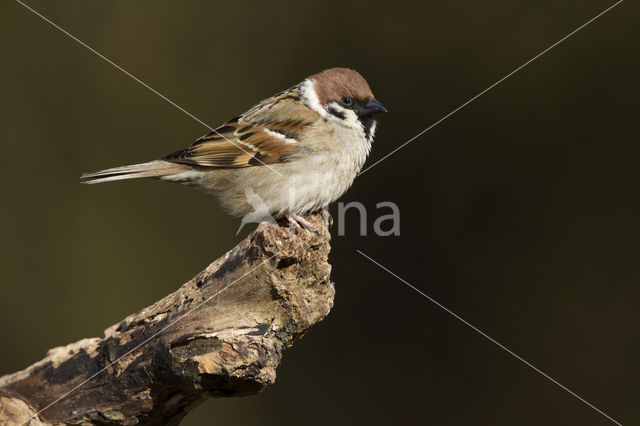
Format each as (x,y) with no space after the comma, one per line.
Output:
(335,83)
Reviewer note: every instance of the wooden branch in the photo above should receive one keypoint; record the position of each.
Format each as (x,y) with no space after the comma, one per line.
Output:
(220,334)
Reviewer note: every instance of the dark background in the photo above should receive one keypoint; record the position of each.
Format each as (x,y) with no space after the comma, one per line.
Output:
(520,212)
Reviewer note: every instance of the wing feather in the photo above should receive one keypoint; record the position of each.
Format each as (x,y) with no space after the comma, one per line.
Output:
(268,133)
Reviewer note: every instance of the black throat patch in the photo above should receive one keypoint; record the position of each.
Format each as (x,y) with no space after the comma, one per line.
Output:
(367,124)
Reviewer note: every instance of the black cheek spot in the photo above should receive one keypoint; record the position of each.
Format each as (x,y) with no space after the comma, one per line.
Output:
(336,113)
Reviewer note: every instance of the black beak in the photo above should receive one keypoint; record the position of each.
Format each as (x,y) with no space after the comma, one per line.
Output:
(373,107)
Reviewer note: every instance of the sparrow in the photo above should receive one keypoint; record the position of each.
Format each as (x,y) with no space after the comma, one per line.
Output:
(298,150)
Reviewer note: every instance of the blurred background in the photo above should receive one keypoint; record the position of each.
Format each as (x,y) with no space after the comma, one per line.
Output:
(520,212)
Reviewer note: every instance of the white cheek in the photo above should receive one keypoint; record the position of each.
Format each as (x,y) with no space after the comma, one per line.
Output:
(350,121)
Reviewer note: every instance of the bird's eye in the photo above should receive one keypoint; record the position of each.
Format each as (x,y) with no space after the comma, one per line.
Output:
(346,101)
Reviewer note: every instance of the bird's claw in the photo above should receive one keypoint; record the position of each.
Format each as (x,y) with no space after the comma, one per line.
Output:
(297,220)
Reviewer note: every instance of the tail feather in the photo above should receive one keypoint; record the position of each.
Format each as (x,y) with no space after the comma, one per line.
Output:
(154,169)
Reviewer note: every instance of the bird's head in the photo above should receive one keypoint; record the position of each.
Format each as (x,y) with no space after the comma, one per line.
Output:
(344,96)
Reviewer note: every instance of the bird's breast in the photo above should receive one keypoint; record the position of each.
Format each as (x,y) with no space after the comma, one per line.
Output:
(324,167)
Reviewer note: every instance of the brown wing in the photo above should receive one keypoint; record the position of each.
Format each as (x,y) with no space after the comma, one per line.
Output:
(266,134)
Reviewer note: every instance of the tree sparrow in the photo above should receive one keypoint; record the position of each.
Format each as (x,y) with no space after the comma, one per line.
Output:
(298,150)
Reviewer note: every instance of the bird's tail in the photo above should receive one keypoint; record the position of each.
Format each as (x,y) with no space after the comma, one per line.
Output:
(154,169)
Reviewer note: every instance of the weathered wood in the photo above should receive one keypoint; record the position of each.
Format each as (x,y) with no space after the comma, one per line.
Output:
(220,334)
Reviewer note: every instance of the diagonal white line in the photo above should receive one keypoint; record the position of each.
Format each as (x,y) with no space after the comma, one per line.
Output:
(491,87)
(144,342)
(145,85)
(491,339)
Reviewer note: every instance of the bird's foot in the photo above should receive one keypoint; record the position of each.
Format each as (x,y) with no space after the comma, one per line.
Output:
(297,220)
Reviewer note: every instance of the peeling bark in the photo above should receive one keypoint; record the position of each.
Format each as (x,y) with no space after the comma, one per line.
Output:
(221,334)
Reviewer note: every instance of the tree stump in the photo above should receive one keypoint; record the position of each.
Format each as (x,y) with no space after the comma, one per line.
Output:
(220,334)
